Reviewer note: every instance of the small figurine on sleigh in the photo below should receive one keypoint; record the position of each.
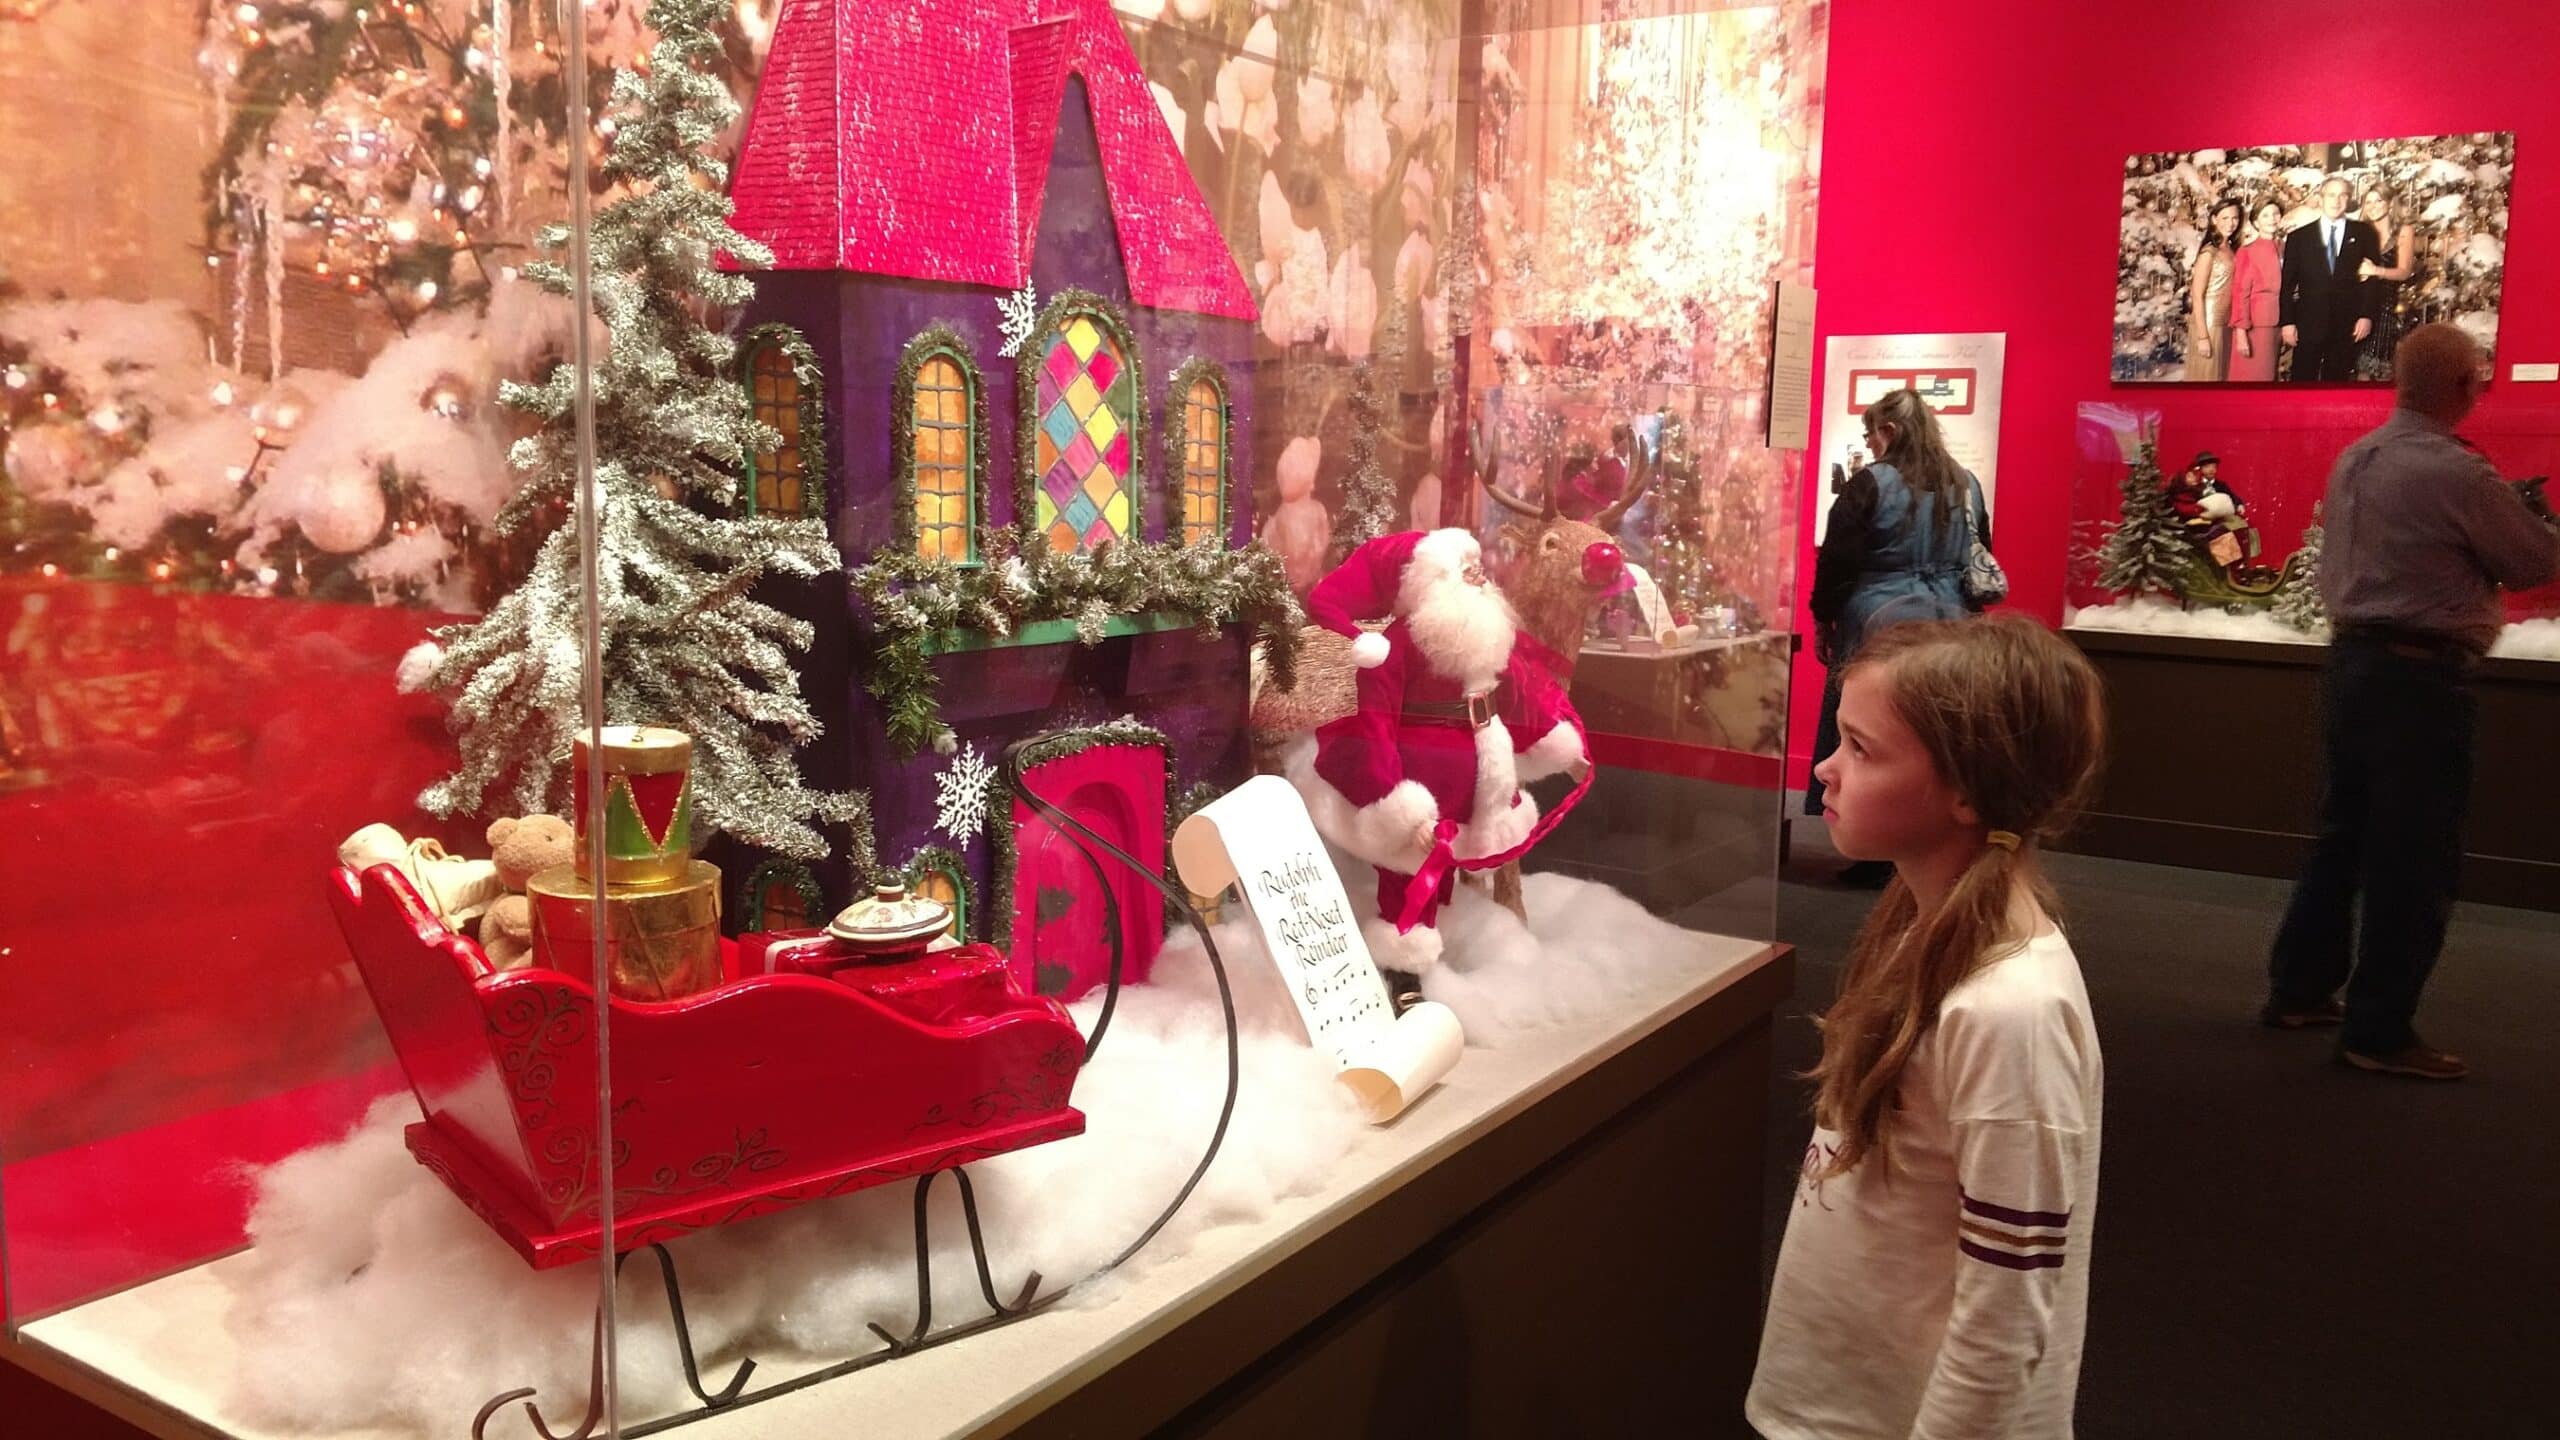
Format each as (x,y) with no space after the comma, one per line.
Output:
(2216,521)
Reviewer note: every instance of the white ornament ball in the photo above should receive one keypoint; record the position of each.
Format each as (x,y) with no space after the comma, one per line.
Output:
(47,460)
(344,513)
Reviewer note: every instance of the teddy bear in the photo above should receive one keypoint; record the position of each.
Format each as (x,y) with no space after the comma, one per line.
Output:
(521,849)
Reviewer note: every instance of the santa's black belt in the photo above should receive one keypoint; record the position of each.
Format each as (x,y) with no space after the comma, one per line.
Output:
(1473,713)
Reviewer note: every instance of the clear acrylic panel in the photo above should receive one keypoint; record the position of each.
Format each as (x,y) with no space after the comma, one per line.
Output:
(268,280)
(950,534)
(2191,564)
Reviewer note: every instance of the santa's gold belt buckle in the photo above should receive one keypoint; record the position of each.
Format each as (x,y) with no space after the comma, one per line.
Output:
(1480,710)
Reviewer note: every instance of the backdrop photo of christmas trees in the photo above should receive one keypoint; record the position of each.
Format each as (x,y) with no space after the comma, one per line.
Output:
(263,354)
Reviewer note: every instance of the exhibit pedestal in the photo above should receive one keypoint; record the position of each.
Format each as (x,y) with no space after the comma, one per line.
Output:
(2214,762)
(1563,1238)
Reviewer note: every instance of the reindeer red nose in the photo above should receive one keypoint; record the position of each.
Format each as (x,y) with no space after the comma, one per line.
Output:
(1603,568)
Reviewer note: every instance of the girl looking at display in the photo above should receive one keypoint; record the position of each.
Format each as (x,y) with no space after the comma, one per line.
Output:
(2257,279)
(1893,551)
(1934,1281)
(2209,292)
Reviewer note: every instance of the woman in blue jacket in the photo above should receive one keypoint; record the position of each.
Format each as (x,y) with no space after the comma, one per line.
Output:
(1894,551)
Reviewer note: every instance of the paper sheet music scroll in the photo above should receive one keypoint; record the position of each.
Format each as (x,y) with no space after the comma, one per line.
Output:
(1259,834)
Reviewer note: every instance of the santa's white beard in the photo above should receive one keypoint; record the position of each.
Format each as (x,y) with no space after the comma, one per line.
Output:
(1465,631)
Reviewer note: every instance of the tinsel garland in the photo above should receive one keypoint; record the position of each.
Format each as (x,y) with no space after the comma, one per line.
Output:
(935,340)
(911,599)
(945,861)
(1026,483)
(1002,835)
(1368,492)
(813,410)
(685,643)
(1177,445)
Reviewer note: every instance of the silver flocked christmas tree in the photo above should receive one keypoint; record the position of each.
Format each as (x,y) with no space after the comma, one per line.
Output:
(685,644)
(2298,598)
(2144,552)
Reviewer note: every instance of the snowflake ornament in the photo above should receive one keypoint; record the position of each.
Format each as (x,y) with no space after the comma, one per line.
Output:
(960,796)
(1017,313)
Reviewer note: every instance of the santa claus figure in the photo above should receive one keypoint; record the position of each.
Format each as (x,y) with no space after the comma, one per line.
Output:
(1458,711)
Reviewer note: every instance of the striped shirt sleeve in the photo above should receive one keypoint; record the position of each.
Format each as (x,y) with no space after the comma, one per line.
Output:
(2018,1232)
(2017,1069)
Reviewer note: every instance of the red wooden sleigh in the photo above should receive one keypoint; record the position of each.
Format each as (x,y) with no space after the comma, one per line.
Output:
(771,1090)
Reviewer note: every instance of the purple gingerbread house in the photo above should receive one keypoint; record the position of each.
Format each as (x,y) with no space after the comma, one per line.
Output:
(1000,320)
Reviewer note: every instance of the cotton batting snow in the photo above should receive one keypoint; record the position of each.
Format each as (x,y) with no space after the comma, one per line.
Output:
(2159,617)
(373,1298)
(2537,639)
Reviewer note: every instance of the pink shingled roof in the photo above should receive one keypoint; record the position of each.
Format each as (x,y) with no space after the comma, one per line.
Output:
(912,137)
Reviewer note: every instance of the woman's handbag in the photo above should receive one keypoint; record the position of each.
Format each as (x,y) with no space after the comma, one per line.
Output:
(1985,583)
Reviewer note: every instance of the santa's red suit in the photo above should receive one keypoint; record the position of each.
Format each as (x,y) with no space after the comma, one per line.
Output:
(1457,711)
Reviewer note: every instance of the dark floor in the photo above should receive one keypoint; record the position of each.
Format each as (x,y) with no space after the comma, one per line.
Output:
(2285,1248)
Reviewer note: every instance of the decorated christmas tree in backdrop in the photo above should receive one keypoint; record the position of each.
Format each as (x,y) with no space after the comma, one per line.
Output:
(685,643)
(2144,553)
(2298,598)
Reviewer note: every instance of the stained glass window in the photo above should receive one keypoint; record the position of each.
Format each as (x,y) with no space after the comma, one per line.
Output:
(1204,462)
(777,484)
(1086,413)
(945,512)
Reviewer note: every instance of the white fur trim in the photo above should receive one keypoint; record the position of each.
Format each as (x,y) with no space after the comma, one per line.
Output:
(1556,752)
(1370,650)
(1414,951)
(1384,833)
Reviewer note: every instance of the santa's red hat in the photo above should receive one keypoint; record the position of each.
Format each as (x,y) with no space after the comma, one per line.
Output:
(1363,587)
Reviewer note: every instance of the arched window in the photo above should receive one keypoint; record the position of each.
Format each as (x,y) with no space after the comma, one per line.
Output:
(1198,454)
(937,874)
(782,896)
(1084,419)
(781,378)
(939,446)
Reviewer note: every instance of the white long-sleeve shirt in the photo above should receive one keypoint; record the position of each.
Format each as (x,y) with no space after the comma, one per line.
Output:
(1945,1299)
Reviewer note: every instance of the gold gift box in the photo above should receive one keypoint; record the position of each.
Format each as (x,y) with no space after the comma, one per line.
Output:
(660,944)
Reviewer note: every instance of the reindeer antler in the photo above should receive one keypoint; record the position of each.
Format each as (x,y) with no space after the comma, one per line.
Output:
(1639,479)
(1504,498)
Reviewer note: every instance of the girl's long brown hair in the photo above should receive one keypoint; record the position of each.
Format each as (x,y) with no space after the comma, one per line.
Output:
(2011,715)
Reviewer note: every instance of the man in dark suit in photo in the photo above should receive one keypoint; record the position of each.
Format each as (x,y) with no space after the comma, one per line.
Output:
(2321,301)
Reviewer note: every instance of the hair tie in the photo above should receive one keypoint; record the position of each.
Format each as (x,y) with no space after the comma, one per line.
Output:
(2005,839)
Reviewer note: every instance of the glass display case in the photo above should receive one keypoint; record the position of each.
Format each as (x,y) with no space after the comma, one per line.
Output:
(652,840)
(2206,523)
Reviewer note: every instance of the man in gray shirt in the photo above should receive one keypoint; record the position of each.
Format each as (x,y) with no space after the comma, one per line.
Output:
(2421,535)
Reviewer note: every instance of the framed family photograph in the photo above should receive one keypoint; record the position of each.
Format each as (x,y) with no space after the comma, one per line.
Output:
(2307,262)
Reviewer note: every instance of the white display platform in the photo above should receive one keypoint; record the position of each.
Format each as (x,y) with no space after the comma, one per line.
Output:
(167,1345)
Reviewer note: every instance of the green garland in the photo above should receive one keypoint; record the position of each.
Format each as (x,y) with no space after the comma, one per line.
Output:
(1046,749)
(1177,445)
(942,340)
(813,413)
(942,860)
(1026,491)
(912,599)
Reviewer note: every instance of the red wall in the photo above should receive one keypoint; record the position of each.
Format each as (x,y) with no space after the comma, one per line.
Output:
(1972,155)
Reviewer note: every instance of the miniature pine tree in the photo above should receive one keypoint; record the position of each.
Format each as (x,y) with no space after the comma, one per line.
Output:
(2145,551)
(685,644)
(1368,491)
(2298,598)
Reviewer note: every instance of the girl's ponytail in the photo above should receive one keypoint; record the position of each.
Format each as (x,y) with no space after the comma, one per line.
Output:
(2010,714)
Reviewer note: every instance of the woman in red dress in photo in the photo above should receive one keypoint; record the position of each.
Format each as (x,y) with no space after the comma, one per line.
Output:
(2256,272)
